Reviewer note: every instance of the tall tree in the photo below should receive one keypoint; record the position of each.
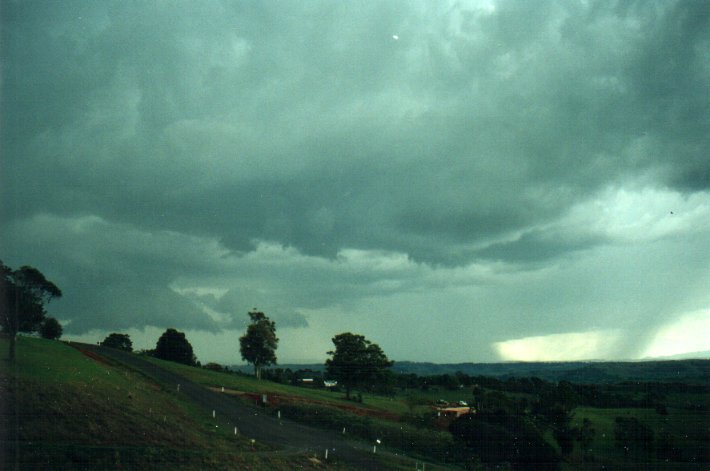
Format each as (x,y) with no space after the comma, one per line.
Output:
(173,346)
(356,362)
(23,295)
(118,341)
(51,329)
(258,345)
(585,436)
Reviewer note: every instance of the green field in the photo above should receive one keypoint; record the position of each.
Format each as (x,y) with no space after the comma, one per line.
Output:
(687,429)
(248,384)
(69,411)
(72,411)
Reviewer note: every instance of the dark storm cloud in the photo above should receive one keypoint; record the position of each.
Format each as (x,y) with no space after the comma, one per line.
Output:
(427,136)
(530,113)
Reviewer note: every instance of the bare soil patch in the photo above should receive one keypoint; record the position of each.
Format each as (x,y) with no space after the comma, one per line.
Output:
(274,400)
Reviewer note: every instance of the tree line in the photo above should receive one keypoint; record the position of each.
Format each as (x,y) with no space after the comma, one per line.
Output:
(511,417)
(25,292)
(355,363)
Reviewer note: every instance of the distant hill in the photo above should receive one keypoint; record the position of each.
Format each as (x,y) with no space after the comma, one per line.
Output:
(685,356)
(577,372)
(693,370)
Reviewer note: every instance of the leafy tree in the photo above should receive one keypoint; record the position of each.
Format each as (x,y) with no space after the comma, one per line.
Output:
(500,437)
(258,345)
(564,436)
(356,362)
(50,329)
(173,346)
(23,295)
(585,436)
(633,437)
(118,341)
(667,447)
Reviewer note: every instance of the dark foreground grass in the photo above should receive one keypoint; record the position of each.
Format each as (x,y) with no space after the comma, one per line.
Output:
(64,410)
(416,442)
(685,431)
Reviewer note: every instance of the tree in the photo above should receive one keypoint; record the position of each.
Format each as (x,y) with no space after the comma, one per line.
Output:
(118,341)
(585,436)
(633,437)
(258,345)
(356,362)
(500,437)
(50,329)
(564,436)
(23,295)
(173,346)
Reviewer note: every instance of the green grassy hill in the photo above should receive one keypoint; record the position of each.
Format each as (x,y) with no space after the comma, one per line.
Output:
(375,404)
(74,410)
(66,410)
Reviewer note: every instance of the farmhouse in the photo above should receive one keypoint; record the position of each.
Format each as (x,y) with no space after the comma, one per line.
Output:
(453,412)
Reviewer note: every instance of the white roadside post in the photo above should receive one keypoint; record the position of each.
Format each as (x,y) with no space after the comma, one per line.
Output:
(214,413)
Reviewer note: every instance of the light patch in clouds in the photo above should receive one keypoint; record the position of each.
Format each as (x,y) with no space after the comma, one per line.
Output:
(560,347)
(688,334)
(644,214)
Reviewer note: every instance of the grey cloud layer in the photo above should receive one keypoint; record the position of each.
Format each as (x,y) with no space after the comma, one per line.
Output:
(462,141)
(313,128)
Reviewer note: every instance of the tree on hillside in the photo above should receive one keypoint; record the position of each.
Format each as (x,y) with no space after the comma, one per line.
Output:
(173,346)
(499,437)
(23,295)
(356,362)
(633,437)
(118,341)
(258,345)
(50,329)
(585,436)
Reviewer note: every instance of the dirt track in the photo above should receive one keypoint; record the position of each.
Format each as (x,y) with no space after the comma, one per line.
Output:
(250,421)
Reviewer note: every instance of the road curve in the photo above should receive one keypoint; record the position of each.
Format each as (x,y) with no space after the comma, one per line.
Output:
(250,421)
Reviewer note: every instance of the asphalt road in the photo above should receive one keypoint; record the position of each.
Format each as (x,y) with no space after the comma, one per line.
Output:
(250,421)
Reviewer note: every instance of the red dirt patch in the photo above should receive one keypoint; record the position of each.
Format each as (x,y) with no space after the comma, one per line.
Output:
(94,356)
(274,400)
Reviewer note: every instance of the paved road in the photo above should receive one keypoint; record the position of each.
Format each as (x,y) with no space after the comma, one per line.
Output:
(250,421)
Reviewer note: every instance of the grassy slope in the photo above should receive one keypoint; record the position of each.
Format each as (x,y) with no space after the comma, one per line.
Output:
(688,427)
(60,375)
(252,385)
(74,412)
(397,435)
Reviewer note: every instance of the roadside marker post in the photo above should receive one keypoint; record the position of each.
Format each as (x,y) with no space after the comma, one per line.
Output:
(326,453)
(214,413)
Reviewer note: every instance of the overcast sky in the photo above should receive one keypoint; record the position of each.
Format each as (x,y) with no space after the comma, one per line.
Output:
(457,181)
